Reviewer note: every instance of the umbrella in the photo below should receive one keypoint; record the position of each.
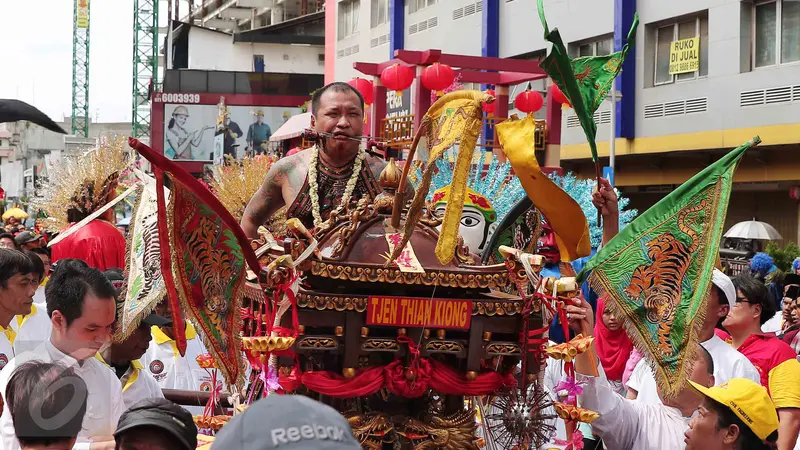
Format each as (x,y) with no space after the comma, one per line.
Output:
(15,110)
(753,229)
(293,127)
(16,213)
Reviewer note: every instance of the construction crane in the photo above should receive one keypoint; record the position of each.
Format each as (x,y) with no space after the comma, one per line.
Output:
(145,66)
(80,69)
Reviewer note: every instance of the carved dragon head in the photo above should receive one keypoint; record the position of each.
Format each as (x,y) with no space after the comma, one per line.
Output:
(454,432)
(370,429)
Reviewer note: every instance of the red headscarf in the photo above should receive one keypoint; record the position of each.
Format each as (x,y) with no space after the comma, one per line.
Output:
(613,347)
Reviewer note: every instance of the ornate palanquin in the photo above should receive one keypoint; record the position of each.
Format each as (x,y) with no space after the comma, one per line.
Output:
(399,380)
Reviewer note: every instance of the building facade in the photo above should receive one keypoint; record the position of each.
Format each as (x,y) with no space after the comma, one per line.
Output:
(745,81)
(27,150)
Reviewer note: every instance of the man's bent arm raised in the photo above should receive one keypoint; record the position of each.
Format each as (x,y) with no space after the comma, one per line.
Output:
(266,201)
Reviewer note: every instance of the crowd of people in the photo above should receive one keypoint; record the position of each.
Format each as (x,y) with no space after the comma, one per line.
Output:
(743,391)
(66,384)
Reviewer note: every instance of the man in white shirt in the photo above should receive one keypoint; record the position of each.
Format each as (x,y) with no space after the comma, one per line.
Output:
(627,424)
(81,304)
(728,362)
(169,368)
(123,358)
(34,328)
(16,296)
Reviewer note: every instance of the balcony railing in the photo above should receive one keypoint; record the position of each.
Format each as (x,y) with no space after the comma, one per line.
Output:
(398,131)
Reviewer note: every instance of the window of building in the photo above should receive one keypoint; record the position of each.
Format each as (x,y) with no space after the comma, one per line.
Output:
(379,13)
(598,47)
(776,32)
(416,5)
(666,35)
(348,18)
(258,63)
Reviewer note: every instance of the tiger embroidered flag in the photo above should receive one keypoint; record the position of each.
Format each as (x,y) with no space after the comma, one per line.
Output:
(585,80)
(145,285)
(657,271)
(205,256)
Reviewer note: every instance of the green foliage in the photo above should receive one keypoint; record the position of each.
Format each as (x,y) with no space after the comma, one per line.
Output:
(306,107)
(783,257)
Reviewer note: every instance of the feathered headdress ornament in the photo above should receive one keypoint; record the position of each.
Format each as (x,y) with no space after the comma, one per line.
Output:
(82,184)
(495,183)
(235,183)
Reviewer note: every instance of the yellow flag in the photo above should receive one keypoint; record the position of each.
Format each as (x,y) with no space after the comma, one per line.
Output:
(563,213)
(456,118)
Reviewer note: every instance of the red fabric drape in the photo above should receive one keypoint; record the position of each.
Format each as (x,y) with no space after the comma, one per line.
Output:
(429,374)
(448,381)
(366,382)
(99,243)
(398,384)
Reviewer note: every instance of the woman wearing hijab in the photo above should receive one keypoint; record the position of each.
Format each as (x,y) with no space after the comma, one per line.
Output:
(612,344)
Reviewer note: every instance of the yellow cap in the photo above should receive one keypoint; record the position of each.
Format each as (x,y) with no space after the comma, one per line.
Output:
(749,401)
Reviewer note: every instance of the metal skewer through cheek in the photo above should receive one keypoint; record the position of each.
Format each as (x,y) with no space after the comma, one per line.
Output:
(314,135)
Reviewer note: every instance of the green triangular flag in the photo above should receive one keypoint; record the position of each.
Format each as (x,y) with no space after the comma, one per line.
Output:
(656,272)
(585,80)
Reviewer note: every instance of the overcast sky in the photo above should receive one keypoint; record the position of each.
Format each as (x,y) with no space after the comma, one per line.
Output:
(36,55)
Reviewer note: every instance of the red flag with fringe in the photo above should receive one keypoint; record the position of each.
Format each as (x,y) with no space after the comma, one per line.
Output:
(204,259)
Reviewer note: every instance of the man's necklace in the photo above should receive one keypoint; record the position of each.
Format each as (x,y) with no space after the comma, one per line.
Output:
(314,187)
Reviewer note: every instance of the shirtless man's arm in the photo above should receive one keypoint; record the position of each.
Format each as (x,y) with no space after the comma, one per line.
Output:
(281,186)
(267,200)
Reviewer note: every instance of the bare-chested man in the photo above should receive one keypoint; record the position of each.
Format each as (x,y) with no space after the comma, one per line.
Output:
(337,109)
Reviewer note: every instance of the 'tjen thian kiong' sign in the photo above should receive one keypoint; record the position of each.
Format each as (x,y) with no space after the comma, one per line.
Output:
(419,312)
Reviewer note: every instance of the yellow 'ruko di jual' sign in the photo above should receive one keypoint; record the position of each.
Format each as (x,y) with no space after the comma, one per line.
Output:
(684,56)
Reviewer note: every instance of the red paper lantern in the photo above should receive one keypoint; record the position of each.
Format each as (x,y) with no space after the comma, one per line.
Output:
(794,192)
(559,96)
(489,107)
(529,101)
(397,78)
(364,87)
(437,77)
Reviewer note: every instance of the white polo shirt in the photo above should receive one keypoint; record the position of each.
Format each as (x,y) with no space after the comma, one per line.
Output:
(7,338)
(728,363)
(104,404)
(32,329)
(137,383)
(173,371)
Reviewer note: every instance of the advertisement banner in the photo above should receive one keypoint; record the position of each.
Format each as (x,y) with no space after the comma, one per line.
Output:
(82,15)
(684,56)
(190,130)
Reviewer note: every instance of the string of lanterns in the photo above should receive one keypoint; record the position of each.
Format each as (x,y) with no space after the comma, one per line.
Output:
(437,77)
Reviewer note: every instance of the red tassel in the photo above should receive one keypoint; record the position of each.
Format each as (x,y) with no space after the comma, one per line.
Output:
(178,326)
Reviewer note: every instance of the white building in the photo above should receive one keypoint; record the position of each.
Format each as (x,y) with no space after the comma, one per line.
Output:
(669,126)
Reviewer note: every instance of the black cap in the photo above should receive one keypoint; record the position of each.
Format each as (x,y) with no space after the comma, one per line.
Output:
(155,320)
(25,237)
(287,422)
(162,414)
(791,278)
(791,283)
